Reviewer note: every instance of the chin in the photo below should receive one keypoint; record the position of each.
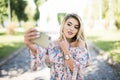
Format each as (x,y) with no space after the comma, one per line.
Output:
(69,36)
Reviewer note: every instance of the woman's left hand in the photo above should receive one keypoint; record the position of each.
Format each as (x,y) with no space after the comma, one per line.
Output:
(64,44)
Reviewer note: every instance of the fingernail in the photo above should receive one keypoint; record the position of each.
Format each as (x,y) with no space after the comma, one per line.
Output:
(38,33)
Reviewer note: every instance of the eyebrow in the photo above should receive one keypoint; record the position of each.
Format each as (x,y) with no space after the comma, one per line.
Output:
(71,23)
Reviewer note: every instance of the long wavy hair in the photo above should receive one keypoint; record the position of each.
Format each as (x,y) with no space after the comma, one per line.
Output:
(80,35)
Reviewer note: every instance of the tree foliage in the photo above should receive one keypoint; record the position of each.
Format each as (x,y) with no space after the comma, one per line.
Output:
(3,10)
(3,7)
(18,6)
(117,13)
(37,14)
(38,3)
(105,8)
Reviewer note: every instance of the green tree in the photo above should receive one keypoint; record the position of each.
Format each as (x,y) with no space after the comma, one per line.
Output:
(3,11)
(37,14)
(105,8)
(117,13)
(18,7)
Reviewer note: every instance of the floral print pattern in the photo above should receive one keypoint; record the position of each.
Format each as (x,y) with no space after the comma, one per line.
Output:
(58,69)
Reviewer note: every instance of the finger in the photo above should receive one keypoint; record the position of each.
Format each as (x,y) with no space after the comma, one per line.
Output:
(31,36)
(64,38)
(31,30)
(27,35)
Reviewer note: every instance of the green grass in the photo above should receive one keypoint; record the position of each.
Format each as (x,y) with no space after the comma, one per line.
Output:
(10,43)
(108,41)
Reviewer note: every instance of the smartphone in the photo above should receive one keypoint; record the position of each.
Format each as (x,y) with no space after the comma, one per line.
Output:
(43,40)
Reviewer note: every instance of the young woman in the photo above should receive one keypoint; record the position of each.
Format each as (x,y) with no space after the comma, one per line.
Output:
(67,56)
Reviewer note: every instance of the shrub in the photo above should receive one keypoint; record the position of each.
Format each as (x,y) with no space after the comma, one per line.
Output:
(11,29)
(117,23)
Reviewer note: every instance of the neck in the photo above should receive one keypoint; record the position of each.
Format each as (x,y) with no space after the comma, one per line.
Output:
(69,40)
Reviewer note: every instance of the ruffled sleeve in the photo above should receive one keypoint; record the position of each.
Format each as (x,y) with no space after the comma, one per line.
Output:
(39,59)
(81,59)
(55,53)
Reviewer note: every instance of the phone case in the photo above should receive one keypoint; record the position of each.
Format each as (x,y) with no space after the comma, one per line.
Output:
(43,40)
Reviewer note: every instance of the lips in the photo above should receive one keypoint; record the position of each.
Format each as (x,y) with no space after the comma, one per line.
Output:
(70,33)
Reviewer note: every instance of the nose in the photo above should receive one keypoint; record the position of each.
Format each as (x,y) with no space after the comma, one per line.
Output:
(72,28)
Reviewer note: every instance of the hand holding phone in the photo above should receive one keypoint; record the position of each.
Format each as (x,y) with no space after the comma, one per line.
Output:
(43,39)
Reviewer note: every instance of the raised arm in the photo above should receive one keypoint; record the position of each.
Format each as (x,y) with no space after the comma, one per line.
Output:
(28,37)
(38,54)
(65,47)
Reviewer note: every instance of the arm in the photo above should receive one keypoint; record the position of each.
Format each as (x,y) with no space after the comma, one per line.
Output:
(69,60)
(29,35)
(65,46)
(82,57)
(38,53)
(39,59)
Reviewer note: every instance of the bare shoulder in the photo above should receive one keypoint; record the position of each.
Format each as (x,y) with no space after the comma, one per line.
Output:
(77,44)
(81,43)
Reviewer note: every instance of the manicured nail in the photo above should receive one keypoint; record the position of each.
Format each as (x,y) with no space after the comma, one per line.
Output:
(38,33)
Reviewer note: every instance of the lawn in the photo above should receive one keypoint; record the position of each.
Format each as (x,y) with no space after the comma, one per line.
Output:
(9,43)
(108,41)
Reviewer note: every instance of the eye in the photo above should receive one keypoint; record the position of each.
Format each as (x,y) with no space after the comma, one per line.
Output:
(76,27)
(68,24)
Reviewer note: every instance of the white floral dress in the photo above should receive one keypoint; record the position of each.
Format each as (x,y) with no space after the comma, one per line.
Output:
(58,69)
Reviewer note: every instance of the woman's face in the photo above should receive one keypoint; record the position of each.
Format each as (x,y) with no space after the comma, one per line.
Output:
(71,28)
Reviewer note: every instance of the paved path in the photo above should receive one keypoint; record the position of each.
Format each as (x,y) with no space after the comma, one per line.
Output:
(18,68)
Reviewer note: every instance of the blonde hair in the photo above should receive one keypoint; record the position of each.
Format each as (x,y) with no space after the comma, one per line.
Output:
(80,35)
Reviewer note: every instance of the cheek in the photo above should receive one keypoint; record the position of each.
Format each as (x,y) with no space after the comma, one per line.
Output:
(64,29)
(75,32)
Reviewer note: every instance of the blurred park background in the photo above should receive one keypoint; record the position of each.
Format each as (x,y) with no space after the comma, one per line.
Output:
(101,20)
